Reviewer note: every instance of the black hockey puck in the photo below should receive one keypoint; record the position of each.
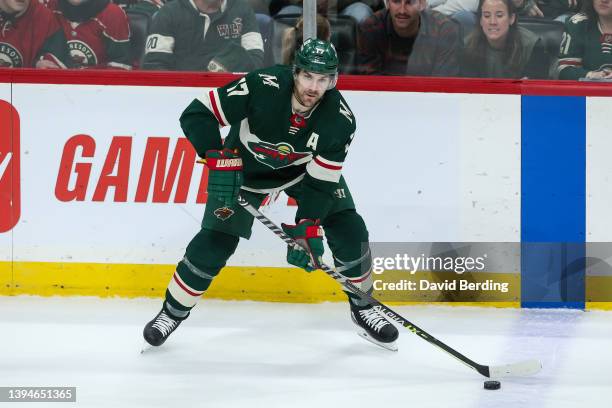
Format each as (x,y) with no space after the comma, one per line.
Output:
(492,385)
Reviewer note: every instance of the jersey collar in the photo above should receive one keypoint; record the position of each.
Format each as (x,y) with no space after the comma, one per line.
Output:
(223,6)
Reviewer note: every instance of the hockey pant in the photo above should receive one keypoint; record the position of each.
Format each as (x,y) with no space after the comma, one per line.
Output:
(209,250)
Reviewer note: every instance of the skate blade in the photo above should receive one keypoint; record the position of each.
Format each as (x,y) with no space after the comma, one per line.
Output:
(145,347)
(387,346)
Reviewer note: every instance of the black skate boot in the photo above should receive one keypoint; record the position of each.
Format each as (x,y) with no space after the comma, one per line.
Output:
(157,330)
(374,327)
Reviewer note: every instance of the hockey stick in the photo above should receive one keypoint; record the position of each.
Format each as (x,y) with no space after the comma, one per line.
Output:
(523,368)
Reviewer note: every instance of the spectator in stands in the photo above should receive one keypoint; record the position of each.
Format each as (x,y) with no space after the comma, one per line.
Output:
(293,36)
(499,48)
(559,10)
(359,10)
(462,11)
(30,36)
(586,49)
(451,7)
(97,31)
(148,7)
(406,38)
(527,8)
(466,11)
(205,35)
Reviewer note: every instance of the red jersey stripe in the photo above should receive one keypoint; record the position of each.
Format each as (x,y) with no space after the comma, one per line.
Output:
(327,166)
(213,103)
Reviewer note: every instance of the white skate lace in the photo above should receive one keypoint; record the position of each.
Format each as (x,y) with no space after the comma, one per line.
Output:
(373,319)
(165,324)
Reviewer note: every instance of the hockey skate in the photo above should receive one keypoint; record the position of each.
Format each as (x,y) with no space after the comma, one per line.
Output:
(159,329)
(374,327)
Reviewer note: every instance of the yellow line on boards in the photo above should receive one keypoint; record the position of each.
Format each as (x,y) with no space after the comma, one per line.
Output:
(269,284)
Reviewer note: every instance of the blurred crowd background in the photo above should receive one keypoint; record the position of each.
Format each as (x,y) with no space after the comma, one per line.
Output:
(534,39)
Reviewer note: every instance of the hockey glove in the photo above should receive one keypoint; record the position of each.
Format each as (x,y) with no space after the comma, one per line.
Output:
(225,175)
(309,235)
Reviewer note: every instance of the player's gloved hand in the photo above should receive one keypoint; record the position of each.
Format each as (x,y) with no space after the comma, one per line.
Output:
(309,234)
(224,176)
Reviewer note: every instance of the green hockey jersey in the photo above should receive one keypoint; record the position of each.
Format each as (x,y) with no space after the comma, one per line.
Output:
(584,48)
(279,148)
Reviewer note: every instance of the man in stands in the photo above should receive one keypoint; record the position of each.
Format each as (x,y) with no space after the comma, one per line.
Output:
(406,38)
(205,35)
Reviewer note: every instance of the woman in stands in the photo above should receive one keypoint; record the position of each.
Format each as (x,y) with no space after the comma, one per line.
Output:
(498,48)
(292,37)
(586,49)
(97,32)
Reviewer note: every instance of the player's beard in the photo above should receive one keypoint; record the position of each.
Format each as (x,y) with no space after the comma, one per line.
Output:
(306,100)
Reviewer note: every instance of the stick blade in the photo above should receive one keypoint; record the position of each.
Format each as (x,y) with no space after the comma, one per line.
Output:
(520,369)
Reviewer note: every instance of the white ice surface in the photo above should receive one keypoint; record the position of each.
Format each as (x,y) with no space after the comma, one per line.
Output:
(246,354)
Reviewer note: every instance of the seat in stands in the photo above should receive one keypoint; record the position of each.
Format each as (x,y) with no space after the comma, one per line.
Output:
(139,30)
(550,32)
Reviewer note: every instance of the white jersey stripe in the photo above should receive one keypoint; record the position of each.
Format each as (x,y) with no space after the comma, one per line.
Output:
(326,174)
(275,189)
(207,99)
(217,109)
(159,43)
(252,41)
(329,162)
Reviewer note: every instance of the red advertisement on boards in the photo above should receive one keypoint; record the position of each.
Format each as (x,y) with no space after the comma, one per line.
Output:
(10,194)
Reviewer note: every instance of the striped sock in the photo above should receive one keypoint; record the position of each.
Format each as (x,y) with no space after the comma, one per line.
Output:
(186,287)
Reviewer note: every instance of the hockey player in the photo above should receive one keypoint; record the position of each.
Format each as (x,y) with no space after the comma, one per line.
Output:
(290,131)
(30,37)
(97,32)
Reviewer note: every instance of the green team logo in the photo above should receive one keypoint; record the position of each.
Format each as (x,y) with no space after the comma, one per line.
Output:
(81,54)
(10,56)
(276,155)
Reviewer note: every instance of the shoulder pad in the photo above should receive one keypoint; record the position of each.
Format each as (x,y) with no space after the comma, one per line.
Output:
(337,105)
(272,78)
